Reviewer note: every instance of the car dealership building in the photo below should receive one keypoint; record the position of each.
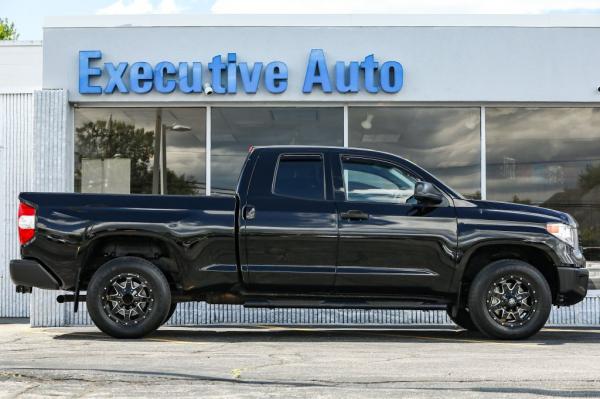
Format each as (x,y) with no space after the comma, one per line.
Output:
(499,107)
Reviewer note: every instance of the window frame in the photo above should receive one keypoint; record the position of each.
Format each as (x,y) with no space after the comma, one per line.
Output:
(282,156)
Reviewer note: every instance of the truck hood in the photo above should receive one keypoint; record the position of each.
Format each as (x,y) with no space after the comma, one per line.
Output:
(522,212)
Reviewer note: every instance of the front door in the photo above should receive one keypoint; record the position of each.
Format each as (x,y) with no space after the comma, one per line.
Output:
(389,243)
(290,232)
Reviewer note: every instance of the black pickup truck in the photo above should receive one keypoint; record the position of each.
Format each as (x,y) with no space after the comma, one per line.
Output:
(320,227)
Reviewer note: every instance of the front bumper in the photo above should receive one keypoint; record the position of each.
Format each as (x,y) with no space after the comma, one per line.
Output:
(573,285)
(30,273)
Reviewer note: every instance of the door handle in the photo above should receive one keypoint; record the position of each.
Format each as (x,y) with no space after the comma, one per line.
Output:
(249,212)
(354,214)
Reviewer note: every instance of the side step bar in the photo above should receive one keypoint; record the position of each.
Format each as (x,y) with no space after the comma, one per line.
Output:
(336,304)
(254,302)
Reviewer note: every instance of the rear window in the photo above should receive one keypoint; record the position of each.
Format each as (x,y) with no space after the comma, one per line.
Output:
(300,176)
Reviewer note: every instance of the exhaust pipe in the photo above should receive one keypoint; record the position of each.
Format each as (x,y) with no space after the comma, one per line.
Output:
(69,298)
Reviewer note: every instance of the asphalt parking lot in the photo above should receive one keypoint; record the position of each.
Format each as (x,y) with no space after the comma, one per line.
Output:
(296,362)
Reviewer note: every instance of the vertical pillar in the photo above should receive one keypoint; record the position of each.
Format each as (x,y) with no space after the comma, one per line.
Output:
(53,162)
(208,147)
(157,149)
(345,126)
(483,154)
(16,155)
(163,159)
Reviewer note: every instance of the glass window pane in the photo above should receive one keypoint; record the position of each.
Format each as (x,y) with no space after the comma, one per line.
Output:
(300,178)
(235,130)
(376,183)
(444,141)
(548,157)
(117,150)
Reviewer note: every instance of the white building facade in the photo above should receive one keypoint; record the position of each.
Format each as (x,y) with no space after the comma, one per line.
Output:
(502,108)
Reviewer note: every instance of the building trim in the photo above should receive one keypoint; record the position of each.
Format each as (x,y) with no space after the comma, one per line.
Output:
(326,20)
(20,43)
(283,104)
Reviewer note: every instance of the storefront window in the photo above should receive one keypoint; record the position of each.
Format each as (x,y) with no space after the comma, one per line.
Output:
(548,157)
(235,130)
(140,150)
(445,141)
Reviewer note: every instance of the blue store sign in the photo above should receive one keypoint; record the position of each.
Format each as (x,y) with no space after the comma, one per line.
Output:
(228,75)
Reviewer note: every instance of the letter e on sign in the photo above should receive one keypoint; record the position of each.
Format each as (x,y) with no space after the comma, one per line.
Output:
(86,72)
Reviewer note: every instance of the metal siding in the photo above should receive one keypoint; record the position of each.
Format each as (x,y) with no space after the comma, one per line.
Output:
(16,154)
(586,313)
(53,141)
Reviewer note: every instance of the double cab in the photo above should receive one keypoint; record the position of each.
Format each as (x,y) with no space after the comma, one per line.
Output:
(318,227)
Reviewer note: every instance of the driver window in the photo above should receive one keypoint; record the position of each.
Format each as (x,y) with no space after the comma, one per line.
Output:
(376,182)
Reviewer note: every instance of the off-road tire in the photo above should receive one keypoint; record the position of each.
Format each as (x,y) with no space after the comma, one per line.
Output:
(139,283)
(171,311)
(491,298)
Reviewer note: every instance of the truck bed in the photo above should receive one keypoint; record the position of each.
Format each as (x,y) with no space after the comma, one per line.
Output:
(199,232)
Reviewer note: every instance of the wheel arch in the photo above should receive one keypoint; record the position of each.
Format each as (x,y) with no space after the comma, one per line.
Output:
(537,255)
(155,249)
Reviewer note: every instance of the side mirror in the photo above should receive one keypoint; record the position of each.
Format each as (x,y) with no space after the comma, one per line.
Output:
(426,192)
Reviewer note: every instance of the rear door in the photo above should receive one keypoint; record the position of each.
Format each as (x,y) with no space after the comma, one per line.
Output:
(290,223)
(388,243)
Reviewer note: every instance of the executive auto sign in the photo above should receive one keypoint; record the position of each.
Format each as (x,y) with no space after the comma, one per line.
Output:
(227,75)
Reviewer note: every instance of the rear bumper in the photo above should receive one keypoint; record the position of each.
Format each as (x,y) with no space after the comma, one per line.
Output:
(29,273)
(573,285)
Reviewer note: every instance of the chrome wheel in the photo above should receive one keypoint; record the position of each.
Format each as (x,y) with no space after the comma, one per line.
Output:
(127,299)
(511,301)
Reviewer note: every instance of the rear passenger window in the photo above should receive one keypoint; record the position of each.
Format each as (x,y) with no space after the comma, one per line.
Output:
(300,176)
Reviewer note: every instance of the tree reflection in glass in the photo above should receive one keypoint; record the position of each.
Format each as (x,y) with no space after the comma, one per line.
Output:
(105,136)
(548,157)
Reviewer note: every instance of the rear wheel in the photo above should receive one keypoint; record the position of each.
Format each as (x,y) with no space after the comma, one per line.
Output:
(463,319)
(510,299)
(128,297)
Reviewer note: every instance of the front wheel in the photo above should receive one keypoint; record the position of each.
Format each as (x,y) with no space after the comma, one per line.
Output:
(128,297)
(509,299)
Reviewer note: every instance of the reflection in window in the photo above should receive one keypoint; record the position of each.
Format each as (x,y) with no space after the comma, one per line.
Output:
(444,141)
(548,157)
(371,182)
(140,150)
(235,130)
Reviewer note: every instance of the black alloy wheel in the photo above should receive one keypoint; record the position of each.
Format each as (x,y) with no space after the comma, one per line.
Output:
(128,297)
(509,299)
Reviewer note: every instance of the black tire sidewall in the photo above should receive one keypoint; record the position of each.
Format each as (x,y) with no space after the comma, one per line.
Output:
(158,283)
(478,296)
(172,310)
(463,319)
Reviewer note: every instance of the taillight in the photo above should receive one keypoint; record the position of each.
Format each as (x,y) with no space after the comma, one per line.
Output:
(26,223)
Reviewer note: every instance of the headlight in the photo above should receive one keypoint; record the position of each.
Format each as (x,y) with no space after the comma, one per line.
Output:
(565,233)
